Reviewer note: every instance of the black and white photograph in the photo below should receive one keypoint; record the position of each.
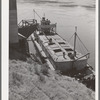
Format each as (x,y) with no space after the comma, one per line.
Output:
(52,50)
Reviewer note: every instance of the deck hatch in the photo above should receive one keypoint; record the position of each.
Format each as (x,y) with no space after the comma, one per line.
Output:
(61,42)
(57,50)
(51,43)
(68,49)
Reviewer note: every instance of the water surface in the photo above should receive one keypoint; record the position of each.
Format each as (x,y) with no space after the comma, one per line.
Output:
(67,14)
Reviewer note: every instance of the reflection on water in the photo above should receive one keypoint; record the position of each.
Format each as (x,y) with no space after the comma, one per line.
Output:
(67,14)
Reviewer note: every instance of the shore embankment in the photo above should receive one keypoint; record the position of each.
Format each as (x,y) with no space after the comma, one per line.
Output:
(28,81)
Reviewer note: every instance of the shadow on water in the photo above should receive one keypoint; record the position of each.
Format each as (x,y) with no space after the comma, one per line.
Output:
(87,6)
(68,5)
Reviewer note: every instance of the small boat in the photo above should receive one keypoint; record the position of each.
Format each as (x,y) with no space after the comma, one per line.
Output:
(60,53)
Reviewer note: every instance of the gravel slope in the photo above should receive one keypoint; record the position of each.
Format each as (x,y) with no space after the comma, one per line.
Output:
(25,84)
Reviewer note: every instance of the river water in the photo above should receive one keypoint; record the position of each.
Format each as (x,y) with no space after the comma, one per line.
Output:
(67,14)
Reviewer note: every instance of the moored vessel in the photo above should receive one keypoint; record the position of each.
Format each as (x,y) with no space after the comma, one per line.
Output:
(61,54)
(57,52)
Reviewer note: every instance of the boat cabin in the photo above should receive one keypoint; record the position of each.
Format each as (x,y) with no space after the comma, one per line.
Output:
(46,27)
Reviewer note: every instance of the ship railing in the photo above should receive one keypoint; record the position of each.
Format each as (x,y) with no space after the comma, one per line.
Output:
(24,23)
(47,26)
(91,68)
(86,55)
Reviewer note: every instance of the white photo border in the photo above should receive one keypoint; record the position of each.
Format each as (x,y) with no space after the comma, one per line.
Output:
(5,50)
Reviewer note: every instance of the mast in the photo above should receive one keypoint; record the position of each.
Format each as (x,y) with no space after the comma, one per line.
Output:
(55,30)
(44,14)
(34,14)
(75,41)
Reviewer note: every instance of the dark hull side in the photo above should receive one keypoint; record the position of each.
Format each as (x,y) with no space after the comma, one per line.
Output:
(69,65)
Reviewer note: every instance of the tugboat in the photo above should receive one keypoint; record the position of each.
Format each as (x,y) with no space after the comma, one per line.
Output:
(61,54)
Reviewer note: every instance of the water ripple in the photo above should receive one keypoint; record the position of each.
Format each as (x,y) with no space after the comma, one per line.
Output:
(68,5)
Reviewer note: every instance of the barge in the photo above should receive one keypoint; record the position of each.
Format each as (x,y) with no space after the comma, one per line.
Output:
(61,54)
(57,52)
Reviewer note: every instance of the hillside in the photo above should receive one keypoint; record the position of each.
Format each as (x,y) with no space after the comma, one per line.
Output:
(28,82)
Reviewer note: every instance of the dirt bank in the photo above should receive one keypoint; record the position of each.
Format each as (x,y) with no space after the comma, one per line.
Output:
(25,84)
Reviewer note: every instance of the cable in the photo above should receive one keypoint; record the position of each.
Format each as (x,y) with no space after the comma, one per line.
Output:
(70,38)
(37,14)
(82,43)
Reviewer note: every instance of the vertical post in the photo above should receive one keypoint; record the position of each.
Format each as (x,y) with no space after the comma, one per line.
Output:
(44,15)
(34,13)
(55,28)
(75,41)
